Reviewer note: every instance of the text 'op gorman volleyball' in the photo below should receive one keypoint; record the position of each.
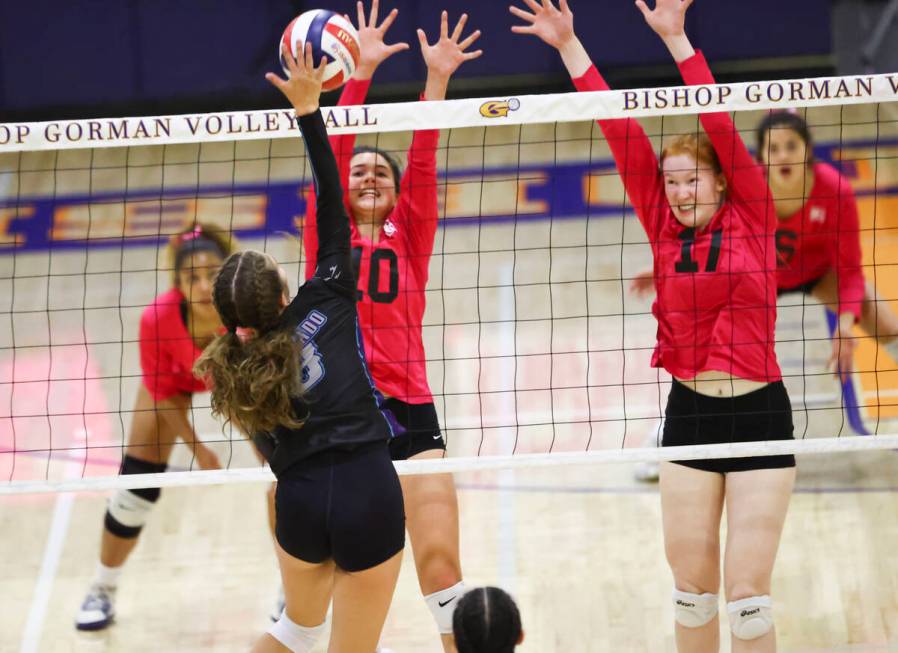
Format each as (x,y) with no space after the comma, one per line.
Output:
(331,36)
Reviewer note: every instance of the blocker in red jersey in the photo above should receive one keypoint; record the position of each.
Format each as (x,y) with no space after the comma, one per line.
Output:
(331,36)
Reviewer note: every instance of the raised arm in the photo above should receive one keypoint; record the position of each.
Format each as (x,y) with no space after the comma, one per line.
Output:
(303,90)
(632,150)
(417,201)
(745,179)
(374,51)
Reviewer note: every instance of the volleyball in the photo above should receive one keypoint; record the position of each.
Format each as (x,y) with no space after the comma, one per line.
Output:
(331,36)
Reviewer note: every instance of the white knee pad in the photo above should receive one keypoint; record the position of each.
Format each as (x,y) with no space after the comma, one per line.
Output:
(128,509)
(752,617)
(694,610)
(298,639)
(442,605)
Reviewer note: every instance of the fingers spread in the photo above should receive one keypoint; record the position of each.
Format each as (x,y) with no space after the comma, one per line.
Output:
(456,33)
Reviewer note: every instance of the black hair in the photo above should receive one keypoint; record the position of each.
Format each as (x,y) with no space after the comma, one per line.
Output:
(486,620)
(785,120)
(389,158)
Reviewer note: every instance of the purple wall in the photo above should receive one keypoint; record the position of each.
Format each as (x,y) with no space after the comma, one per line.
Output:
(145,54)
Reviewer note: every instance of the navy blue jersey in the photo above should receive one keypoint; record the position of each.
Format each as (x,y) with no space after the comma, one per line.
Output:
(338,393)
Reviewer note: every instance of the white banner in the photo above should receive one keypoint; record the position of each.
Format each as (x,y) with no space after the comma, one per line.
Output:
(474,112)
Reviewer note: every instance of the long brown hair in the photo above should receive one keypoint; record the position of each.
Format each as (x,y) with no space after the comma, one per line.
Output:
(255,382)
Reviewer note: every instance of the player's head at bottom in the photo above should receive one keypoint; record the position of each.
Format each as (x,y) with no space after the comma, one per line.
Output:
(487,620)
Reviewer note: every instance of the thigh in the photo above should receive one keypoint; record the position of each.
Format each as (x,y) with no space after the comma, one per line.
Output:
(361,601)
(691,505)
(307,588)
(150,438)
(756,503)
(431,512)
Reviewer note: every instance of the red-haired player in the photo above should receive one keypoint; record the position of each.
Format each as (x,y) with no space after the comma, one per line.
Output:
(394,222)
(710,222)
(174,329)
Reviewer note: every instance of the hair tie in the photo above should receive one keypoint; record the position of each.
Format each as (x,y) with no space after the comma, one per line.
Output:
(245,334)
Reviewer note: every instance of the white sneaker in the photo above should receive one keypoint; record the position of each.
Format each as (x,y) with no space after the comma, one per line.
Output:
(98,609)
(646,472)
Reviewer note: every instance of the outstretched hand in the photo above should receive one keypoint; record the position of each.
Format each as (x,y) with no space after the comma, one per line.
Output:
(303,88)
(643,284)
(841,360)
(374,51)
(448,53)
(668,18)
(555,26)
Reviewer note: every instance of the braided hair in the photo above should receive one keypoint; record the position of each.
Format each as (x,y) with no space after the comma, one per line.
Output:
(254,381)
(486,620)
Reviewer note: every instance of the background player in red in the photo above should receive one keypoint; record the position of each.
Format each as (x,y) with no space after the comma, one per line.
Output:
(174,330)
(711,223)
(817,237)
(394,222)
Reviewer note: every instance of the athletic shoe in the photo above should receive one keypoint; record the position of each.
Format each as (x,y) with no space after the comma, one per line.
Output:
(98,610)
(646,472)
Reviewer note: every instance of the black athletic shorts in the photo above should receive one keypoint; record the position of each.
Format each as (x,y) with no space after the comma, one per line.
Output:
(416,428)
(692,418)
(341,504)
(806,288)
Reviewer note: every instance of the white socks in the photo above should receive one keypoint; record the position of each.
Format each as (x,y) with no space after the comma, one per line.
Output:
(107,576)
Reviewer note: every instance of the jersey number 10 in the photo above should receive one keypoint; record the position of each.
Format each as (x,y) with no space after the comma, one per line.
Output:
(374,269)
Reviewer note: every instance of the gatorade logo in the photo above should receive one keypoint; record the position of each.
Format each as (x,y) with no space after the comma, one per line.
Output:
(748,613)
(499,108)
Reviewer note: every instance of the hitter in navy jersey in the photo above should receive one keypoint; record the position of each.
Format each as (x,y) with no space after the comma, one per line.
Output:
(292,374)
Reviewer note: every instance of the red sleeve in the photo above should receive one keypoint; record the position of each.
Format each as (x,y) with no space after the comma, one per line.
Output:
(417,204)
(633,154)
(354,92)
(848,253)
(745,179)
(155,360)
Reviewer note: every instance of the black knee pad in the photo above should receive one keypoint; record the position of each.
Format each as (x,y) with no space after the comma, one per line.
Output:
(128,510)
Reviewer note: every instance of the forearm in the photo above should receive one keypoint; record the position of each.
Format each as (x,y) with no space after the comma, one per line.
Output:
(332,221)
(435,87)
(575,58)
(679,47)
(173,413)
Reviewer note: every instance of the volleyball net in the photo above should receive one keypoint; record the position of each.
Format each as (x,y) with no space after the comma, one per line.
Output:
(538,352)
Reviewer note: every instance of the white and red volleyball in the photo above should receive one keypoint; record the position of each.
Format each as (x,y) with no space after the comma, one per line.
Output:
(331,36)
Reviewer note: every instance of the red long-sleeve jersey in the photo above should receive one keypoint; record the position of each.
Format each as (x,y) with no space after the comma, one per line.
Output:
(392,273)
(824,234)
(716,287)
(167,352)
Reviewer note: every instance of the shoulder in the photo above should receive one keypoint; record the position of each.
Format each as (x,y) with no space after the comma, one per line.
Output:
(163,309)
(828,178)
